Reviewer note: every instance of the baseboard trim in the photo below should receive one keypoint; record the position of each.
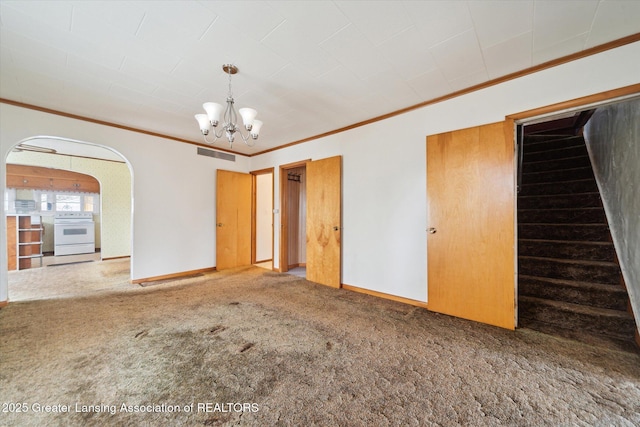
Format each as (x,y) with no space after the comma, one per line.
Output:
(300,264)
(385,296)
(116,257)
(4,303)
(264,260)
(172,276)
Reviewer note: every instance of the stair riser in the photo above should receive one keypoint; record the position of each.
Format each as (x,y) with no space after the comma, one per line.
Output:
(607,275)
(562,216)
(583,186)
(598,325)
(565,201)
(582,233)
(567,250)
(614,299)
(554,165)
(557,176)
(564,153)
(530,146)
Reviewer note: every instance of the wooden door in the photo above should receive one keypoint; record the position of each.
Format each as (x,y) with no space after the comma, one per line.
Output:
(470,240)
(324,226)
(233,219)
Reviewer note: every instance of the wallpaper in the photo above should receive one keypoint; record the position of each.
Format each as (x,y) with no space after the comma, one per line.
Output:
(114,223)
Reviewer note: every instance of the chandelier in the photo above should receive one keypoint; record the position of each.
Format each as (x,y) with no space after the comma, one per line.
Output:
(209,122)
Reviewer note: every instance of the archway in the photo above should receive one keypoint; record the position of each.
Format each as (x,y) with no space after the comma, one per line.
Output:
(108,166)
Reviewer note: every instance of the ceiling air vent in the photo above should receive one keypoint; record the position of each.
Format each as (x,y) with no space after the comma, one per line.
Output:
(216,154)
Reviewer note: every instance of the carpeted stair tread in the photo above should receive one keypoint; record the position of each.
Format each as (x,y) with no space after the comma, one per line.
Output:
(560,201)
(573,232)
(586,293)
(550,143)
(586,215)
(569,174)
(621,344)
(600,321)
(565,187)
(574,262)
(558,164)
(594,251)
(556,153)
(580,270)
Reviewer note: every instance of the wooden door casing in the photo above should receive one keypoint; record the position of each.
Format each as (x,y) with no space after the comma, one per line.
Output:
(324,225)
(233,219)
(471,202)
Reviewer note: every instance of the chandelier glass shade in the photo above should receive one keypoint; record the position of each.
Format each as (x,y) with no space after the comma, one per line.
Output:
(215,112)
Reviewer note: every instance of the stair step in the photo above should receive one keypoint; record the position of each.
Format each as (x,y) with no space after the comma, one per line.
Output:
(530,146)
(560,201)
(556,176)
(595,321)
(565,187)
(572,232)
(556,153)
(562,249)
(583,293)
(614,343)
(558,164)
(606,273)
(592,215)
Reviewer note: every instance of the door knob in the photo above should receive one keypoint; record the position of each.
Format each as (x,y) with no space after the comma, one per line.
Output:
(219,224)
(431,230)
(336,228)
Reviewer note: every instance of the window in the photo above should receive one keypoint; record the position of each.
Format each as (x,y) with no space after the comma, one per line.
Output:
(88,203)
(56,201)
(68,203)
(44,202)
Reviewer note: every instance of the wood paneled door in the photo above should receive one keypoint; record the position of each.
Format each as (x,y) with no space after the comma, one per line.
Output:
(324,225)
(471,238)
(233,219)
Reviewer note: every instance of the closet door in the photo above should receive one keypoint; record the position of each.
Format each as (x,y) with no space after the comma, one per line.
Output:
(470,239)
(324,227)
(233,219)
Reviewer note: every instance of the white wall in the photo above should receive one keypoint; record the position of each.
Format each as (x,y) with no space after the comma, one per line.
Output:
(173,190)
(384,166)
(613,139)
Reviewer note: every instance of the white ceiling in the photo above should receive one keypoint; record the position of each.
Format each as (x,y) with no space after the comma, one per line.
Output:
(308,67)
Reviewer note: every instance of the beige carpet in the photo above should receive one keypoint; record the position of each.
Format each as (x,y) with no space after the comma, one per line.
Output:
(253,347)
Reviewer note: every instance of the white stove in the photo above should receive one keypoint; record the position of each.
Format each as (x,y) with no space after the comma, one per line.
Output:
(74,233)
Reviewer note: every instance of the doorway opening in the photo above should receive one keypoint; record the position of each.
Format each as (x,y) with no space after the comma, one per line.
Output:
(262,219)
(293,217)
(90,185)
(570,275)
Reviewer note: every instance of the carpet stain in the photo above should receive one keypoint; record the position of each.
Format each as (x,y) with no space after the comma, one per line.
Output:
(246,347)
(216,329)
(141,334)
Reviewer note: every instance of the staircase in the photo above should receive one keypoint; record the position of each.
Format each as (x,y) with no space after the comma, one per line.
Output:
(569,280)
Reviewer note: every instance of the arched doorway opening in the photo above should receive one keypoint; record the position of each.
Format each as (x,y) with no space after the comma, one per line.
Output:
(111,210)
